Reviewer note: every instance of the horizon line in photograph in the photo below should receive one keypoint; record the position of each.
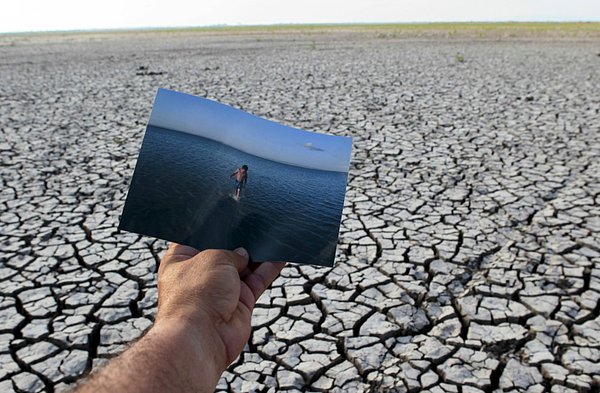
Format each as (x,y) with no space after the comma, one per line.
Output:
(249,133)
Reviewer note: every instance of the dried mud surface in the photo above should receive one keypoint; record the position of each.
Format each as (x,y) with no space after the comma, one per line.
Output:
(469,257)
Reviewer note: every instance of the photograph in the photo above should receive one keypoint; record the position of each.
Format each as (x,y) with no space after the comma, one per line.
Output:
(212,176)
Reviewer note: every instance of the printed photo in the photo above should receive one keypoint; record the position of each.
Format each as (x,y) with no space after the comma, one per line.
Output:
(212,176)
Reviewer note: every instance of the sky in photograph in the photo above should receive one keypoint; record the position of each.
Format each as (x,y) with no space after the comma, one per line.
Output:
(248,133)
(41,15)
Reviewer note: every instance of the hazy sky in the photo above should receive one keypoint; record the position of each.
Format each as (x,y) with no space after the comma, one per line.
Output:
(35,15)
(249,133)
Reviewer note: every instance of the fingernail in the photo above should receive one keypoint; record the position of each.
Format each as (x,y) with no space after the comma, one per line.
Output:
(241,251)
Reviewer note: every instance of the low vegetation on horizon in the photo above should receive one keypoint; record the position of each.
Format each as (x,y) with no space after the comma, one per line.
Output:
(385,30)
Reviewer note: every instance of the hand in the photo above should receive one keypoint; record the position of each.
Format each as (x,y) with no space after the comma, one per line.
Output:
(213,292)
(205,302)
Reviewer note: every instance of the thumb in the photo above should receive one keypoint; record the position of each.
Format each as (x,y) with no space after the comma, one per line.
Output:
(240,258)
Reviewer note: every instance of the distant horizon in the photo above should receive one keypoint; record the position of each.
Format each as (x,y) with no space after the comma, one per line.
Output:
(72,15)
(299,24)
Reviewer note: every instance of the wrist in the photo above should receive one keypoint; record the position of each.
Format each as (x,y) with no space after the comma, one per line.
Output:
(194,346)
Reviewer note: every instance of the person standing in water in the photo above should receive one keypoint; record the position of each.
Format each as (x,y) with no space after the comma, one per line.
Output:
(241,177)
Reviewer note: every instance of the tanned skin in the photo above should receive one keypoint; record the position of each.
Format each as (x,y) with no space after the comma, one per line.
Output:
(205,303)
(241,177)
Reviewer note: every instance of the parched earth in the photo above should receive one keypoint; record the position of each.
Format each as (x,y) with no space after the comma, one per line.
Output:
(469,256)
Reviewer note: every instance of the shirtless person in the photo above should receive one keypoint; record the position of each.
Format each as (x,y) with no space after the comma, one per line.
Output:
(241,177)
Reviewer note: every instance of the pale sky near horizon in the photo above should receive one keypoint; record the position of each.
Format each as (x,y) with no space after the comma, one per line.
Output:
(43,15)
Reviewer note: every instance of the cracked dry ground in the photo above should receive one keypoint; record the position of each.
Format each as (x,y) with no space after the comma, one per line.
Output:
(469,257)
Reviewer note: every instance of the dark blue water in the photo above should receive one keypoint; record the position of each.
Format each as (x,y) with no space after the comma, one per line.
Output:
(181,192)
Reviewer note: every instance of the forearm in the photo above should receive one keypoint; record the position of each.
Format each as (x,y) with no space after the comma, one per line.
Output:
(169,358)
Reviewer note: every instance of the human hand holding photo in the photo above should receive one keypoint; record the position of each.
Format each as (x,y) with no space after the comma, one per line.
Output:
(205,303)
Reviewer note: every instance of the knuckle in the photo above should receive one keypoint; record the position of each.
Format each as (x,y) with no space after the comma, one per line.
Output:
(214,256)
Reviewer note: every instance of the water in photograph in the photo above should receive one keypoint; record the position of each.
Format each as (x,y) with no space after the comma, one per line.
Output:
(181,191)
